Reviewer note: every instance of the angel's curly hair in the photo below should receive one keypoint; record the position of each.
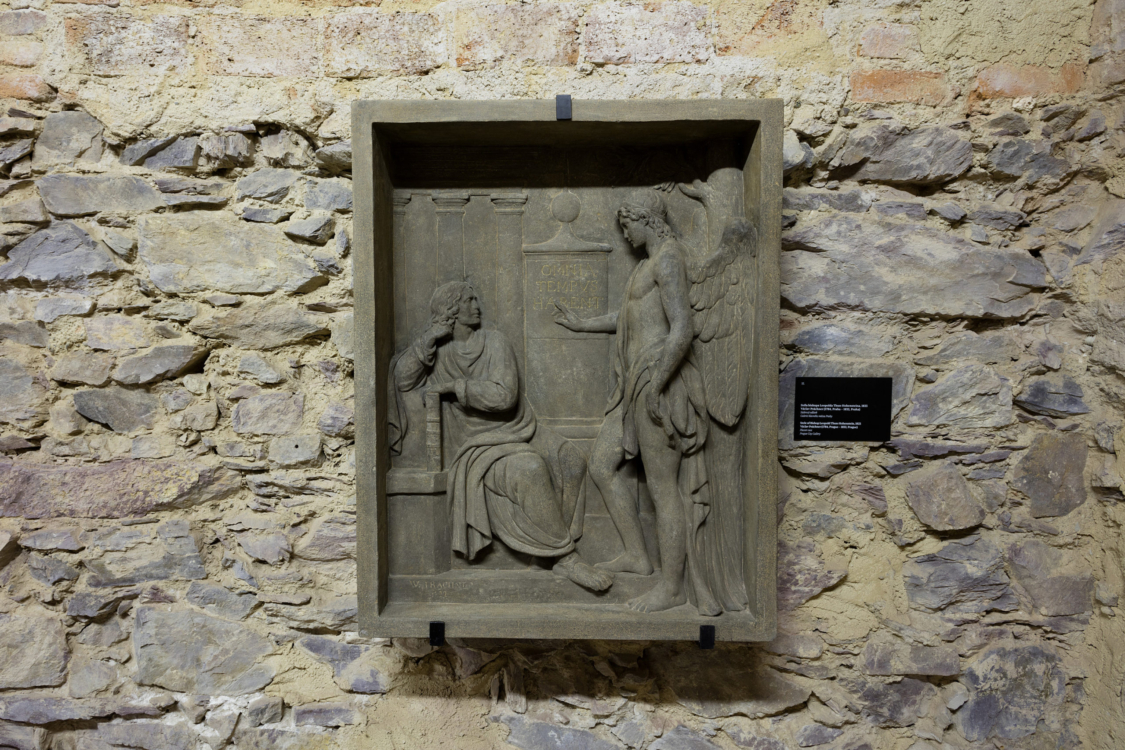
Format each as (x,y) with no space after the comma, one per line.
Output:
(648,209)
(445,304)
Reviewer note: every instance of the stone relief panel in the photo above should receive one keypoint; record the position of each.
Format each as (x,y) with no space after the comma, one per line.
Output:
(567,413)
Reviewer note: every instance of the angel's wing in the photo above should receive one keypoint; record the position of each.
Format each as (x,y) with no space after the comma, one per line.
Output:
(722,302)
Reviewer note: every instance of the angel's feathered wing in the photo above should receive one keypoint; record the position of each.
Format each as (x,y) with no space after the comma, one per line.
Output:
(722,302)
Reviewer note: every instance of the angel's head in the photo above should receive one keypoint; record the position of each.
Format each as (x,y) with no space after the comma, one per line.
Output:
(644,218)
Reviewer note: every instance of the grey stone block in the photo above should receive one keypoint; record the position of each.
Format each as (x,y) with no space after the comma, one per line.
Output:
(265,215)
(266,325)
(35,652)
(115,490)
(83,368)
(295,451)
(1050,473)
(941,499)
(52,308)
(1011,688)
(158,363)
(269,414)
(270,185)
(68,139)
(316,229)
(973,396)
(845,260)
(182,154)
(1055,396)
(136,153)
(120,409)
(926,156)
(195,252)
(329,195)
(191,652)
(967,575)
(27,332)
(336,157)
(82,195)
(217,600)
(62,254)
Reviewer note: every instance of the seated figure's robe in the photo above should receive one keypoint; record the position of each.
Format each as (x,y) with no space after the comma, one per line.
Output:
(509,477)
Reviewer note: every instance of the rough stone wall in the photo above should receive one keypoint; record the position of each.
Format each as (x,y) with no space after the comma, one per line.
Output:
(177,518)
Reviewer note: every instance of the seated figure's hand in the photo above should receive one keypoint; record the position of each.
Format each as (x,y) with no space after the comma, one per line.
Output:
(443,329)
(567,318)
(441,389)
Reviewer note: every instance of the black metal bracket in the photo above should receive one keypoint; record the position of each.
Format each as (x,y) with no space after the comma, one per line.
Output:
(706,637)
(437,634)
(563,107)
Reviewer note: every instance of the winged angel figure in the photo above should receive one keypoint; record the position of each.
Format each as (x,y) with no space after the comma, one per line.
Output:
(682,367)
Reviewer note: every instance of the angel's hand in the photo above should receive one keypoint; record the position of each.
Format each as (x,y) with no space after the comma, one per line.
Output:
(698,190)
(567,318)
(653,407)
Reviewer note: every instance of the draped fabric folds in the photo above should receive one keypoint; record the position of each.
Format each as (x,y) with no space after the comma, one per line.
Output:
(509,477)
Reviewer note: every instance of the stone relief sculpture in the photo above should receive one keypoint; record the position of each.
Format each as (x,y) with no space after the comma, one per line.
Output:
(596,455)
(681,389)
(510,478)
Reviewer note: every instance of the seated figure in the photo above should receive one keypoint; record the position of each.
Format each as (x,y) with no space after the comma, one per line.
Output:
(509,478)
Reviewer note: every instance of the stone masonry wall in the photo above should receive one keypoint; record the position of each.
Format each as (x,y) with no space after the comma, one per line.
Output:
(177,517)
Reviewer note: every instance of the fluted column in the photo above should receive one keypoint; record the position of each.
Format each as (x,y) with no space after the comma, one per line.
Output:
(509,209)
(450,235)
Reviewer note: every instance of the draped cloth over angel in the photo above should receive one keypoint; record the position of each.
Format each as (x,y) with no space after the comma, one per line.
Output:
(509,478)
(711,383)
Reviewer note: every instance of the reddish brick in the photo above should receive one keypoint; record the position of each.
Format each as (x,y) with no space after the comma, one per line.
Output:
(365,44)
(25,86)
(893,41)
(21,54)
(112,45)
(546,34)
(778,29)
(916,86)
(261,47)
(1028,80)
(667,32)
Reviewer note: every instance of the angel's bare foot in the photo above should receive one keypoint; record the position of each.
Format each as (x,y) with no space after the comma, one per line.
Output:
(627,563)
(660,597)
(573,568)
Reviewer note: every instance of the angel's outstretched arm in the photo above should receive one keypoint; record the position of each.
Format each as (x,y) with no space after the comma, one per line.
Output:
(568,319)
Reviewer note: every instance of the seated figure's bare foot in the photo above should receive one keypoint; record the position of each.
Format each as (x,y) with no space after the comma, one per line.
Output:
(627,563)
(575,569)
(660,597)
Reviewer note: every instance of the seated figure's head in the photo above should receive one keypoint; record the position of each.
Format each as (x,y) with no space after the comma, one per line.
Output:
(455,301)
(644,210)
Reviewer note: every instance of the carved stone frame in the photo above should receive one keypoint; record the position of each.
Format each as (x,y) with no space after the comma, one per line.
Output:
(377,126)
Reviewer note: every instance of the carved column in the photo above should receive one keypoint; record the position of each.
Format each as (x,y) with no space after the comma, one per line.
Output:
(451,235)
(399,202)
(509,209)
